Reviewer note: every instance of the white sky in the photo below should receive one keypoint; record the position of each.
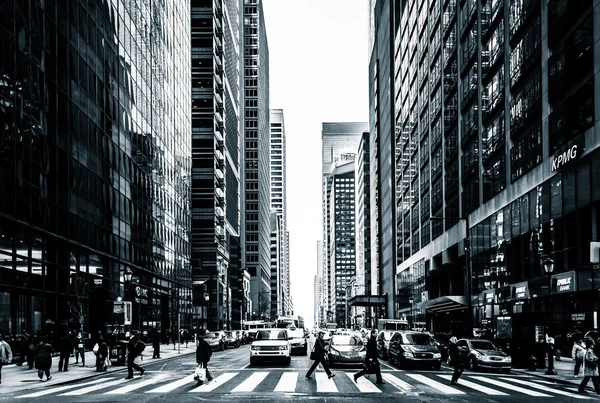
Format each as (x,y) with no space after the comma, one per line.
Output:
(318,73)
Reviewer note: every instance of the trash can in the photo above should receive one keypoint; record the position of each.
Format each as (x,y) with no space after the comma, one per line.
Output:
(532,363)
(118,352)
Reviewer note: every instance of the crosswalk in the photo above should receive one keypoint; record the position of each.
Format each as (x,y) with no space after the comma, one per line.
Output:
(267,381)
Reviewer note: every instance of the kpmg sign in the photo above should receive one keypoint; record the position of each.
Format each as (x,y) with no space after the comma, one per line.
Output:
(569,153)
(564,282)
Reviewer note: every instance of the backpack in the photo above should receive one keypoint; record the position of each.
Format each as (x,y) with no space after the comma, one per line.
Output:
(138,347)
(591,361)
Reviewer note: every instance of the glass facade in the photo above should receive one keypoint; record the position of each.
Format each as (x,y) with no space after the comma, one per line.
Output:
(95,164)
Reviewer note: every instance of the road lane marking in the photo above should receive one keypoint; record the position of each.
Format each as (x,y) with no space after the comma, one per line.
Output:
(387,365)
(61,388)
(363,384)
(436,385)
(215,383)
(245,366)
(480,388)
(251,382)
(325,384)
(136,385)
(93,388)
(173,385)
(397,382)
(545,388)
(509,386)
(287,382)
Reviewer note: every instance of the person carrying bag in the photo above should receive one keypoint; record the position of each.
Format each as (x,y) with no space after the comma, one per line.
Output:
(318,355)
(371,362)
(203,354)
(590,368)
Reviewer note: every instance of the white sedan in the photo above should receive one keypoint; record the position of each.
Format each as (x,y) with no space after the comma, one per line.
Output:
(271,345)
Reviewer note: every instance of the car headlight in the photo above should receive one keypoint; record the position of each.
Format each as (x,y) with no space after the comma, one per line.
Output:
(507,359)
(334,352)
(407,354)
(477,355)
(283,347)
(255,348)
(437,355)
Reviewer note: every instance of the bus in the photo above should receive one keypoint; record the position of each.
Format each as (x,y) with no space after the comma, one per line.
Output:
(392,324)
(283,322)
(252,326)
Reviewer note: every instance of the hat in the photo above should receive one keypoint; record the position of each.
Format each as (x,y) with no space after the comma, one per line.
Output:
(321,332)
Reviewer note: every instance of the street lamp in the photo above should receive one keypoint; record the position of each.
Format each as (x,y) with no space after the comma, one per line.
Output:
(127,276)
(549,268)
(411,301)
(206,299)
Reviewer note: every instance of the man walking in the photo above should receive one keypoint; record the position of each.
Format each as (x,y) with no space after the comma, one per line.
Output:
(371,361)
(5,354)
(65,347)
(203,354)
(453,351)
(156,343)
(134,349)
(319,351)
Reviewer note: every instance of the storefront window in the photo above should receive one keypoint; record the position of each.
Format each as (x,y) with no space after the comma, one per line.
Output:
(583,192)
(5,323)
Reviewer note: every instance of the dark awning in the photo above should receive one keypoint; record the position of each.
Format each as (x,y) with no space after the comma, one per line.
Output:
(367,300)
(445,303)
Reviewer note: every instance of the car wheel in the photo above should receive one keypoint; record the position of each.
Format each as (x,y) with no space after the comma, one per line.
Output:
(401,363)
(288,361)
(253,361)
(437,366)
(473,364)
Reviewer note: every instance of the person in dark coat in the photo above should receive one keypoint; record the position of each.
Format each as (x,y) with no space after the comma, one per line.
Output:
(156,343)
(453,351)
(65,347)
(101,355)
(43,359)
(320,350)
(203,354)
(371,361)
(132,353)
(23,348)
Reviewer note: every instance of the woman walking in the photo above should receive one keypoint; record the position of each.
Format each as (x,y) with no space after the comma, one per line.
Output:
(101,355)
(590,368)
(43,359)
(453,351)
(577,354)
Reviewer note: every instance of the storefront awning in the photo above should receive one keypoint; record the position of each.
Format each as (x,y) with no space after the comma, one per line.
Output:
(367,300)
(445,303)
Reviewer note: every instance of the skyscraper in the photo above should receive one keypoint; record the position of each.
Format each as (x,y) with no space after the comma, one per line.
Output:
(319,303)
(216,254)
(95,165)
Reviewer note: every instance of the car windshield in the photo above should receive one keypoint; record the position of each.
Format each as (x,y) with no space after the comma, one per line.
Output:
(419,339)
(271,335)
(482,345)
(295,334)
(210,336)
(339,340)
(441,338)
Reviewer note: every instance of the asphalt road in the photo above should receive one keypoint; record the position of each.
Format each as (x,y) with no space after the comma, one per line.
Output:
(236,380)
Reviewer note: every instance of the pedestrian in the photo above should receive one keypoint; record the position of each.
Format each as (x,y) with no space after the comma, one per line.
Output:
(318,355)
(5,354)
(590,368)
(577,353)
(453,352)
(134,349)
(558,346)
(79,349)
(101,355)
(43,359)
(371,360)
(30,351)
(65,348)
(186,337)
(203,354)
(23,348)
(156,343)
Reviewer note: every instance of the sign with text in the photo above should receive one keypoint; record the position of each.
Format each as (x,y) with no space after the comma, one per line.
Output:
(578,317)
(141,295)
(123,309)
(489,297)
(564,282)
(519,290)
(568,153)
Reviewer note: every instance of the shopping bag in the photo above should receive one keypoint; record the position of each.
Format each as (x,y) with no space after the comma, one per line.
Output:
(312,355)
(200,374)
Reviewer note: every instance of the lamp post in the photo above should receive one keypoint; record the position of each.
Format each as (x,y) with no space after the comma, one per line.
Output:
(206,299)
(549,268)
(127,276)
(410,301)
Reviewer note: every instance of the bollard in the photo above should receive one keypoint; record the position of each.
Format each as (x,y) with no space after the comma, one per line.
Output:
(532,363)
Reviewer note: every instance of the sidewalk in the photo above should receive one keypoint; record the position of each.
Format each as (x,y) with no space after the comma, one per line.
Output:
(16,379)
(564,373)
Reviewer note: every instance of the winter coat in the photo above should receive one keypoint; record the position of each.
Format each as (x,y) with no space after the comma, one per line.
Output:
(577,352)
(320,351)
(454,353)
(5,353)
(587,370)
(203,351)
(43,358)
(66,345)
(371,348)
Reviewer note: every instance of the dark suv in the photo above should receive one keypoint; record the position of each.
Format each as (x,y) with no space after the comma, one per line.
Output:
(414,348)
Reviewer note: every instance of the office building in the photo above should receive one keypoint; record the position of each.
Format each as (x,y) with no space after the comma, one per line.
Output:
(319,294)
(95,167)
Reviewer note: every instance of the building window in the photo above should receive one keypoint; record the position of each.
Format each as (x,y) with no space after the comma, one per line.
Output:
(526,104)
(494,179)
(526,153)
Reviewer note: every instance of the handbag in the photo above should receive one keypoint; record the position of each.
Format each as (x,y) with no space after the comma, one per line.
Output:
(371,366)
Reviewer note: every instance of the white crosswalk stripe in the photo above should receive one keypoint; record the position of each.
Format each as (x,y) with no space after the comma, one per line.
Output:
(445,389)
(136,385)
(173,385)
(287,382)
(480,388)
(93,388)
(324,384)
(252,382)
(49,391)
(364,385)
(397,382)
(545,388)
(509,386)
(215,383)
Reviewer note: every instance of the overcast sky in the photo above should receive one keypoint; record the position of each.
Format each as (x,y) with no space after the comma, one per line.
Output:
(319,73)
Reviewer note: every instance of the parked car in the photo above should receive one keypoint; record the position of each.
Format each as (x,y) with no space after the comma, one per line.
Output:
(271,344)
(216,340)
(297,341)
(345,349)
(409,348)
(383,343)
(442,342)
(481,353)
(232,339)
